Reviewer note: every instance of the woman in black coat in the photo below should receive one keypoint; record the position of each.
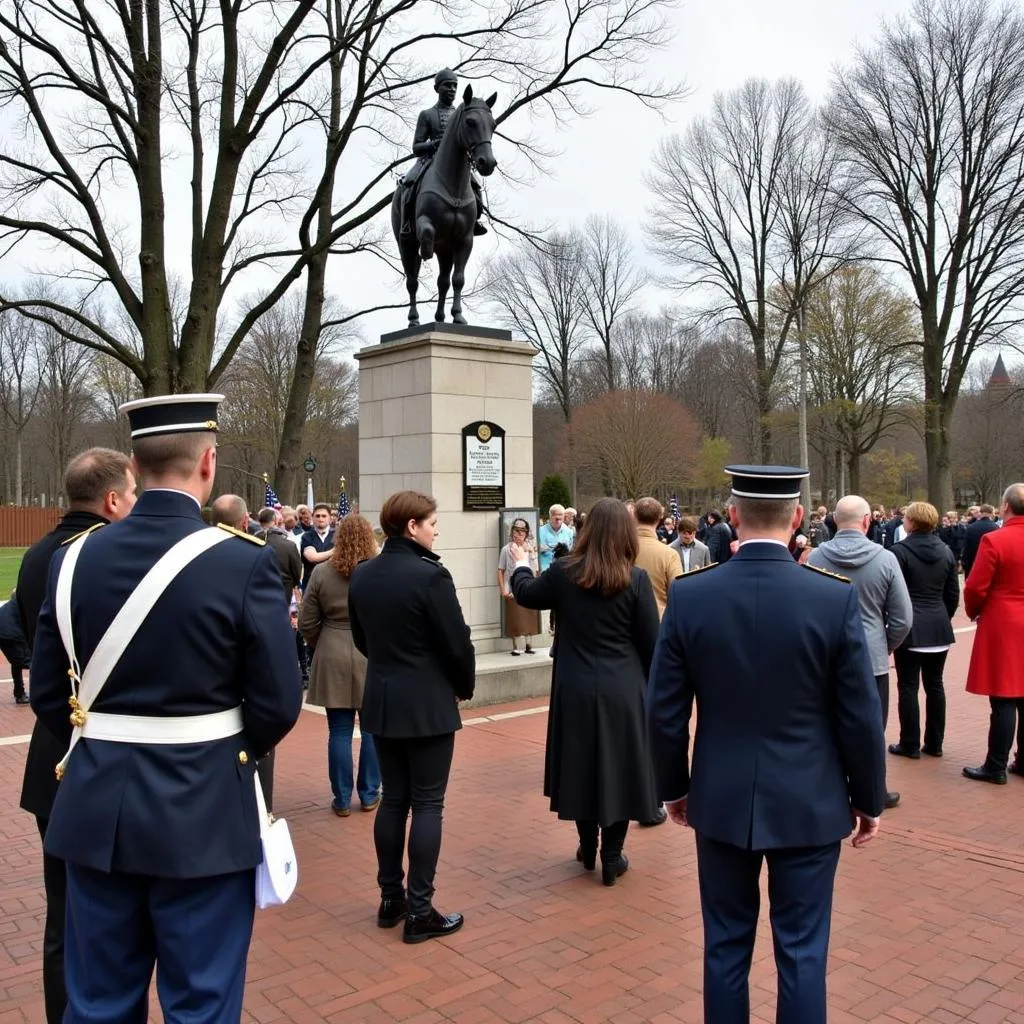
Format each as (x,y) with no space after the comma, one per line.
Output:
(929,567)
(597,765)
(406,619)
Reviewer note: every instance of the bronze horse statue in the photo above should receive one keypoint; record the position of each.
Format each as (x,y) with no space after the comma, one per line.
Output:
(446,206)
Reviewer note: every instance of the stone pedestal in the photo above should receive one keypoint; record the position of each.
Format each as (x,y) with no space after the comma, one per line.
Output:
(417,389)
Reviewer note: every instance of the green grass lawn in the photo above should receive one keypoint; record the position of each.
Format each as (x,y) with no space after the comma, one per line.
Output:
(10,562)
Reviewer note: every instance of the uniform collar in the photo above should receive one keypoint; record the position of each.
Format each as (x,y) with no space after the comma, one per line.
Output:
(161,501)
(407,546)
(763,550)
(81,519)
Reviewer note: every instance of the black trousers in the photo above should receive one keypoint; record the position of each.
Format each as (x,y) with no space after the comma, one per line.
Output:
(55,883)
(414,776)
(1002,724)
(913,669)
(613,837)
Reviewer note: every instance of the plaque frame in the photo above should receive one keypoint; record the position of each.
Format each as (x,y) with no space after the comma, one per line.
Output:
(476,498)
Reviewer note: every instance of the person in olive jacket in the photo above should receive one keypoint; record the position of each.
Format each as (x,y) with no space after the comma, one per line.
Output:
(406,619)
(929,567)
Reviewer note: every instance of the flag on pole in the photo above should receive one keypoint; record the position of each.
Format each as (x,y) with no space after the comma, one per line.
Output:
(343,506)
(270,498)
(673,507)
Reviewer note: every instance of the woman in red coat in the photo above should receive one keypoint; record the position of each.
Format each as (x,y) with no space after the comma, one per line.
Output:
(994,596)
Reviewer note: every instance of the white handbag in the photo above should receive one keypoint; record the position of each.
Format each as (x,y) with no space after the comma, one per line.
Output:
(278,875)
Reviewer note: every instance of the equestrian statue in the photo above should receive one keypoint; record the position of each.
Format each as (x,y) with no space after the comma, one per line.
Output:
(438,205)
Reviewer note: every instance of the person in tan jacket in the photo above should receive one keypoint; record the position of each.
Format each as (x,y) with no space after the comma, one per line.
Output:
(338,672)
(660,562)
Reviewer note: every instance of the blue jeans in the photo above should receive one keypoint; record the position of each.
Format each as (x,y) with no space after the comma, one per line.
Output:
(340,723)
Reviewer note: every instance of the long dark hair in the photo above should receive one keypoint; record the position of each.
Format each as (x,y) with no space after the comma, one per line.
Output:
(606,548)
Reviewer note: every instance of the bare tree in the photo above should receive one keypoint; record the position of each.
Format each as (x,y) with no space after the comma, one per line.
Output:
(930,121)
(22,365)
(740,207)
(860,337)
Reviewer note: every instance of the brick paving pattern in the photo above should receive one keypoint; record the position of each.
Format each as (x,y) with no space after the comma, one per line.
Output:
(928,923)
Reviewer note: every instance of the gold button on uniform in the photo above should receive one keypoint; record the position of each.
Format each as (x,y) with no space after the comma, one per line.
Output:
(243,757)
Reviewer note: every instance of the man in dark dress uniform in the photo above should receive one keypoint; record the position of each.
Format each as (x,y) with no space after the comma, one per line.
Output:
(156,814)
(985,523)
(100,489)
(430,126)
(788,756)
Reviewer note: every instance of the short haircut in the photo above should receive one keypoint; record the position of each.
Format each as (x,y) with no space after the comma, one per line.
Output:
(766,513)
(850,510)
(987,510)
(323,505)
(93,474)
(688,525)
(556,509)
(924,516)
(1014,497)
(648,511)
(171,454)
(228,509)
(266,516)
(402,507)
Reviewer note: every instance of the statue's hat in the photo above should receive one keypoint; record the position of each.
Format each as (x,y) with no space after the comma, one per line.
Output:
(445,75)
(172,414)
(776,483)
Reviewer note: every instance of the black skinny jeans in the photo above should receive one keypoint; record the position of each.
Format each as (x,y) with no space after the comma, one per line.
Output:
(414,776)
(55,883)
(1002,723)
(914,668)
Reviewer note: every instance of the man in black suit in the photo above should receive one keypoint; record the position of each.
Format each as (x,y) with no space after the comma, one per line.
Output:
(287,553)
(985,523)
(719,538)
(788,757)
(100,488)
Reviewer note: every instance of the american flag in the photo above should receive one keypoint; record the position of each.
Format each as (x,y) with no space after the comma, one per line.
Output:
(270,498)
(343,506)
(673,507)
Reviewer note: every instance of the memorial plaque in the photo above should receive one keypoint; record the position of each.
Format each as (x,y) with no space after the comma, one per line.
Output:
(483,467)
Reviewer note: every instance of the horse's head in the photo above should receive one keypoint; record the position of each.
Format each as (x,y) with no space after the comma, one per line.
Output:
(477,130)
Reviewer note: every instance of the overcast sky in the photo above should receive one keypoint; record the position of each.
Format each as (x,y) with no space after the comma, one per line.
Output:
(718,44)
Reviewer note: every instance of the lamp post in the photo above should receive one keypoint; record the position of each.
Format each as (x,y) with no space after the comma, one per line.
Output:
(310,467)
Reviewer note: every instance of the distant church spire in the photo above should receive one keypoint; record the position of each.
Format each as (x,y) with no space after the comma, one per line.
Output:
(1000,378)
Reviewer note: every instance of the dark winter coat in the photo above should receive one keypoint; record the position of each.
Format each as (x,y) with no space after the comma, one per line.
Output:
(930,571)
(597,764)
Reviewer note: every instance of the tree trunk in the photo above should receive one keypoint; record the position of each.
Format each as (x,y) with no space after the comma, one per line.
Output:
(938,455)
(18,470)
(853,472)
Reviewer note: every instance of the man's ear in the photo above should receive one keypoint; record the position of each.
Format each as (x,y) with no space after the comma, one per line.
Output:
(798,518)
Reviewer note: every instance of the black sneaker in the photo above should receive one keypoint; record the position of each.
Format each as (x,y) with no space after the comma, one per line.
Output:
(432,925)
(392,910)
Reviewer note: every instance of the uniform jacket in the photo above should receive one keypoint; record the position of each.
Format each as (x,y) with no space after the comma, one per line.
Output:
(994,596)
(406,619)
(973,533)
(699,554)
(661,565)
(45,749)
(929,569)
(597,764)
(217,637)
(789,724)
(338,672)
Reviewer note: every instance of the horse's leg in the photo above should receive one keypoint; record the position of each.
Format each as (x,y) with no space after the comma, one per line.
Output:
(459,278)
(412,283)
(444,277)
(425,232)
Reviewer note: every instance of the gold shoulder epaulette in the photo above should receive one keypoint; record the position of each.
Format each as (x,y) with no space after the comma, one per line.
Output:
(825,572)
(84,533)
(693,572)
(241,533)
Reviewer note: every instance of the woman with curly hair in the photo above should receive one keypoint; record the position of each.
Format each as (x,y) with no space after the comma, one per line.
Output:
(338,672)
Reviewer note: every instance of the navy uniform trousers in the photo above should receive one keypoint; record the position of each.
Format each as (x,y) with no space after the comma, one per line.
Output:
(800,885)
(196,929)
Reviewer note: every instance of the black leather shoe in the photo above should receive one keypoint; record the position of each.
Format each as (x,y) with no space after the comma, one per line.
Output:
(984,774)
(891,800)
(613,869)
(1015,768)
(659,819)
(22,698)
(392,910)
(900,751)
(588,859)
(433,925)
(932,751)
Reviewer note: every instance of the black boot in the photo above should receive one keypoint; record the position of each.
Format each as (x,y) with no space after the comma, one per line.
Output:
(18,676)
(586,852)
(613,860)
(432,925)
(392,910)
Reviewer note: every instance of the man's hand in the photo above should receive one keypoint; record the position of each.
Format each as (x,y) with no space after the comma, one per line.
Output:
(677,811)
(865,828)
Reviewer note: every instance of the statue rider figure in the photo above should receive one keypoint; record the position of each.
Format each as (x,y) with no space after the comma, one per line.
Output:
(429,128)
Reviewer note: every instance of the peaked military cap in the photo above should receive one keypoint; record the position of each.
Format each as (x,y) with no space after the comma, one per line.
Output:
(770,482)
(172,414)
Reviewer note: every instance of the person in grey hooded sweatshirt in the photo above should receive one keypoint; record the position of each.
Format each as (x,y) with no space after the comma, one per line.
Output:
(881,590)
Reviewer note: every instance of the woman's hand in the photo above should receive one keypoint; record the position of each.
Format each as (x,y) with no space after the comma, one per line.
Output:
(518,553)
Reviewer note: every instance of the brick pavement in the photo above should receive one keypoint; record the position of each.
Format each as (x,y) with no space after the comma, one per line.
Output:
(928,924)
